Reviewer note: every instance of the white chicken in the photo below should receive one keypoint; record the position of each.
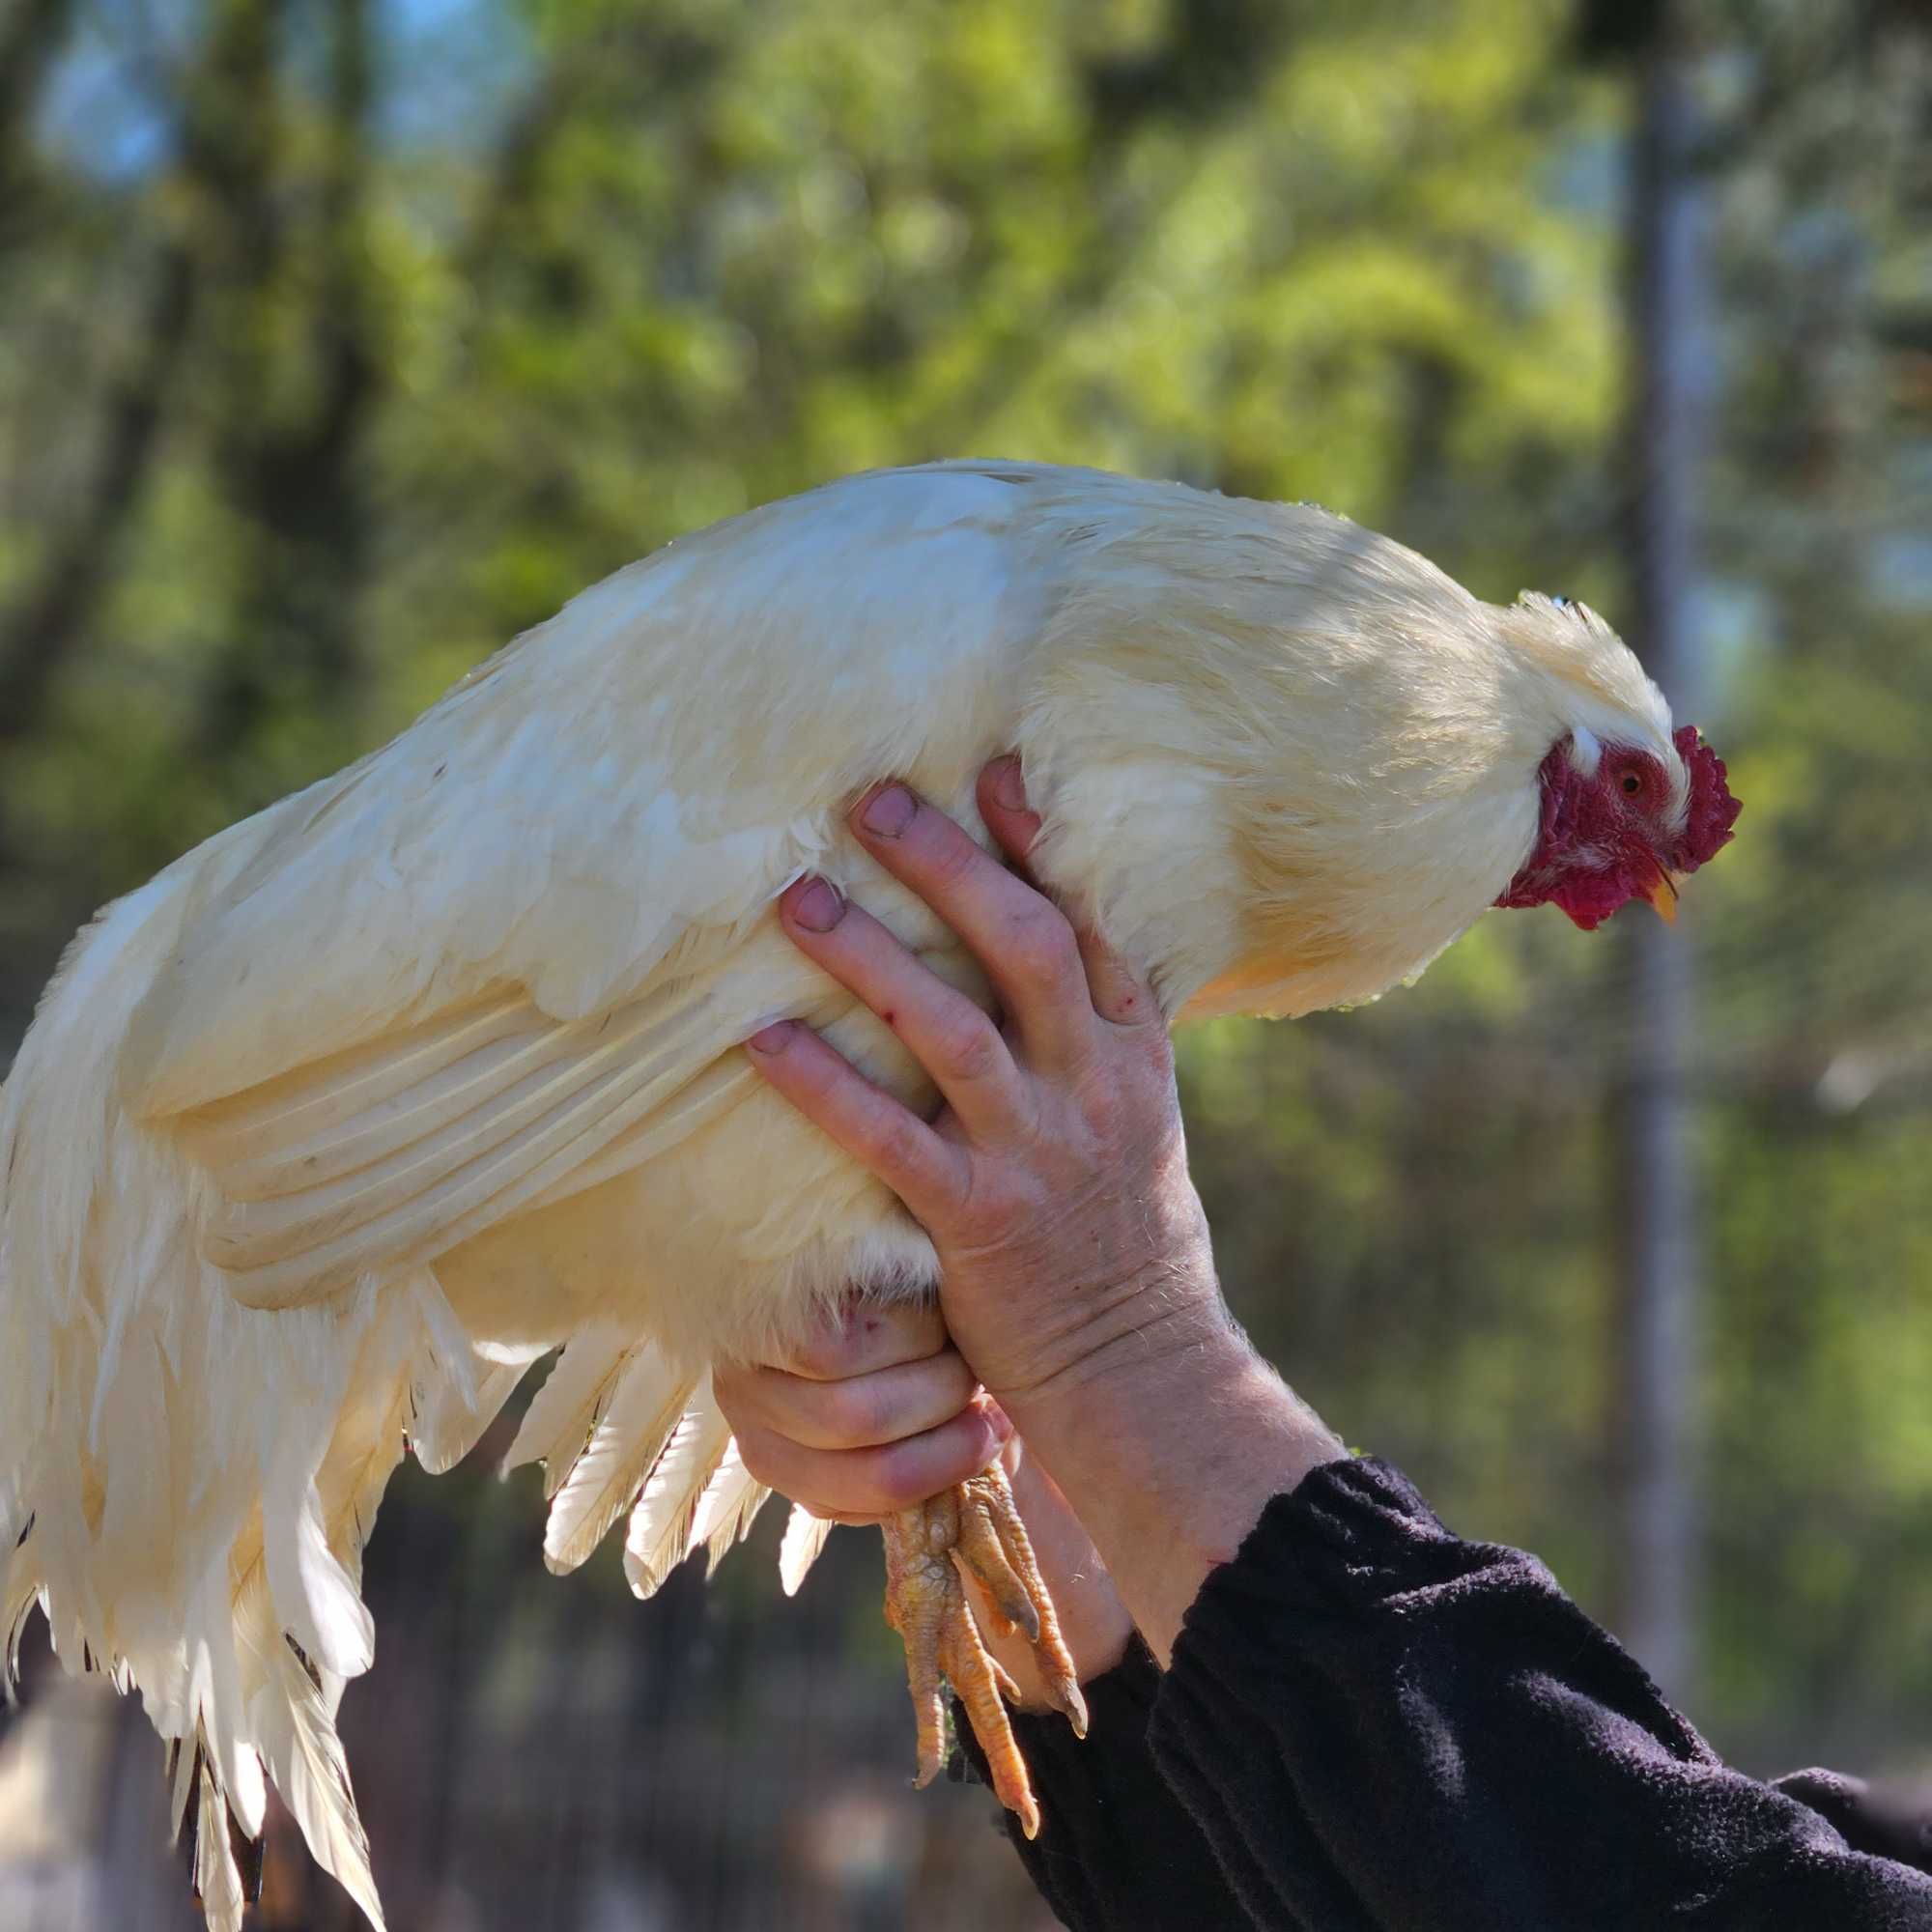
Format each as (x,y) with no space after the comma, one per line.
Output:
(324,1136)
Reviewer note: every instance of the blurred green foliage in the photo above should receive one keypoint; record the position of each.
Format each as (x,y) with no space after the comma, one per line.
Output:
(340,339)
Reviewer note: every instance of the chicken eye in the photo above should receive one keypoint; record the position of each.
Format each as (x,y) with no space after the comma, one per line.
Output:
(1632,784)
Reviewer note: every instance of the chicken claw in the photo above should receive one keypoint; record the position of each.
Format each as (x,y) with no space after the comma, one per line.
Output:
(995,1549)
(974,1530)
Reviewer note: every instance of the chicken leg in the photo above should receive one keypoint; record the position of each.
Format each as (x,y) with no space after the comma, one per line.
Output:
(974,1530)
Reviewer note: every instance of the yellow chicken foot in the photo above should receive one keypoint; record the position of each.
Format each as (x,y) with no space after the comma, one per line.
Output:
(974,1530)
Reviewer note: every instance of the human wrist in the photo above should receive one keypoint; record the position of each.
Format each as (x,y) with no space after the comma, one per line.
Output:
(1169,1459)
(1134,1345)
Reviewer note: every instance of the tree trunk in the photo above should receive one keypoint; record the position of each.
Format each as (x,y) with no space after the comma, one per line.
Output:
(1656,1192)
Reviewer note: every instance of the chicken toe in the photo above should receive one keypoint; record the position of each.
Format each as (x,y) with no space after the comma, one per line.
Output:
(994,1546)
(974,1530)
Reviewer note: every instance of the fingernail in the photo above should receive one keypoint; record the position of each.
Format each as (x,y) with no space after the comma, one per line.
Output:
(817,906)
(1003,1423)
(1009,784)
(773,1039)
(887,811)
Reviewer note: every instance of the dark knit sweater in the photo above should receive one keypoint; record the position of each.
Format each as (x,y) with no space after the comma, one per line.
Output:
(1370,1723)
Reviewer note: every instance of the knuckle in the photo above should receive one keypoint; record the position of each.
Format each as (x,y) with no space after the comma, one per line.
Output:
(847,1413)
(991,1212)
(947,856)
(1104,1109)
(1040,946)
(970,1045)
(892,1145)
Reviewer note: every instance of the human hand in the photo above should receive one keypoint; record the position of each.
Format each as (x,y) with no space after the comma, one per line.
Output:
(875,1412)
(1076,1275)
(871,1414)
(1055,1185)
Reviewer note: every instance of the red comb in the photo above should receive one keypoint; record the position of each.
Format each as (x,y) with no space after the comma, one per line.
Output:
(1713,810)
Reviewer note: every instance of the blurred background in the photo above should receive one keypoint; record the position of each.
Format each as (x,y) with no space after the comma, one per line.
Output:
(342,339)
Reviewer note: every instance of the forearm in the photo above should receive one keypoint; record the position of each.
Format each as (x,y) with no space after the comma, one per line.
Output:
(1167,1445)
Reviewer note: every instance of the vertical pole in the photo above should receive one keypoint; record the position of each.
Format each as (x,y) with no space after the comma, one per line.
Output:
(1657,1183)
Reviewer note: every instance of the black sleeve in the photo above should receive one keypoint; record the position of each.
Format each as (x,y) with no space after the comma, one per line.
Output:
(1116,1847)
(1370,1723)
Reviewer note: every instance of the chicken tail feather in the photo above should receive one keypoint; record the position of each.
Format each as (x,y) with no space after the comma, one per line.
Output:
(804,1538)
(187,1485)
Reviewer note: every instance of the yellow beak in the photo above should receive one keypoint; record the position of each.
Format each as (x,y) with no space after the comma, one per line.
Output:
(1662,896)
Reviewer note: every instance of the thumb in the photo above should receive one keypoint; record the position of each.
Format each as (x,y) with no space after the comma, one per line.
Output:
(1002,804)
(1119,992)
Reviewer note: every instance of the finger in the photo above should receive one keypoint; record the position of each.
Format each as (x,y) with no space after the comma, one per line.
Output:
(1017,934)
(951,1038)
(852,1343)
(925,1172)
(860,1411)
(1003,805)
(867,1483)
(865,1335)
(1117,992)
(1120,995)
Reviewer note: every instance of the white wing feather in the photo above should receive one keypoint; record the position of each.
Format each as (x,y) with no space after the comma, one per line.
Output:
(804,1538)
(457,1389)
(875,618)
(293,1719)
(660,1533)
(448,1425)
(602,1484)
(382,1156)
(217,1881)
(562,1413)
(727,1510)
